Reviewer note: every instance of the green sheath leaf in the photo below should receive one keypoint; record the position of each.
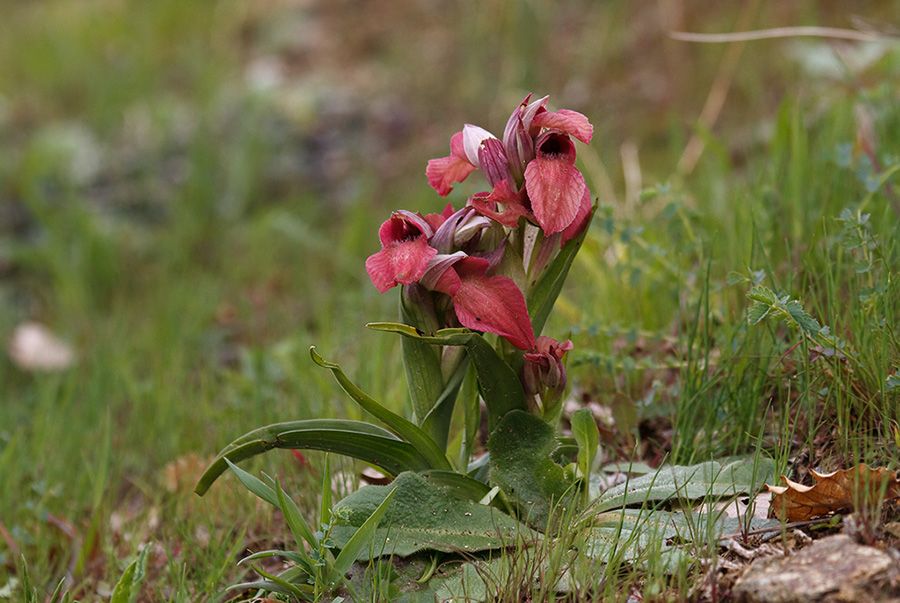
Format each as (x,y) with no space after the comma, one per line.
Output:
(545,292)
(499,383)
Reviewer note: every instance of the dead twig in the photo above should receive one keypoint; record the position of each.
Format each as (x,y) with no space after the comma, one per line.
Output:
(718,92)
(781,32)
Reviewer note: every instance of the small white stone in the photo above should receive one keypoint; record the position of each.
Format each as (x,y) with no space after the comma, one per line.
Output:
(33,347)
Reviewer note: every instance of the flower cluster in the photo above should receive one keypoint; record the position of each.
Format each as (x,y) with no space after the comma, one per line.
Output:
(480,262)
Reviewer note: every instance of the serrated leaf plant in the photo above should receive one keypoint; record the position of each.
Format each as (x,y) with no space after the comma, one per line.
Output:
(477,285)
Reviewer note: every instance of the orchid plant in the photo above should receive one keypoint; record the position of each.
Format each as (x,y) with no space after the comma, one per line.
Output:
(477,285)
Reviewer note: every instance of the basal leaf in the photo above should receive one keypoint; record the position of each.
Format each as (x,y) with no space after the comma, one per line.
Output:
(630,534)
(892,383)
(643,534)
(424,516)
(712,478)
(255,485)
(459,485)
(291,583)
(356,439)
(521,448)
(294,519)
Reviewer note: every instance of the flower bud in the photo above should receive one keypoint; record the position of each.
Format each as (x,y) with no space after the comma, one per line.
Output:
(493,162)
(544,375)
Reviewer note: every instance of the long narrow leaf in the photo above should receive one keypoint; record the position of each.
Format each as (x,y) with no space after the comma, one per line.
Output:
(407,430)
(270,433)
(358,541)
(325,504)
(351,438)
(255,485)
(275,587)
(303,562)
(586,433)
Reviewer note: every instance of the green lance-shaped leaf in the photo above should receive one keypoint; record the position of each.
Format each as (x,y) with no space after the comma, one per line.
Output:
(255,485)
(547,289)
(356,439)
(520,449)
(325,504)
(129,585)
(406,430)
(425,516)
(499,383)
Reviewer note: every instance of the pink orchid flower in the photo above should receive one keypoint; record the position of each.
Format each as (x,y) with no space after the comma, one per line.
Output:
(405,251)
(409,254)
(537,151)
(492,304)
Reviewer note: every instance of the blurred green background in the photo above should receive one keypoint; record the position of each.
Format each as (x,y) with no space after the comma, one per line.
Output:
(188,192)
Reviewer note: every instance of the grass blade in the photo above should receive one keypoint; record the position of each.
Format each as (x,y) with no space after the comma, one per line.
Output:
(359,540)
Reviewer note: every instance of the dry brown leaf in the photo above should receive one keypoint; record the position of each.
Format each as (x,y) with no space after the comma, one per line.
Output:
(841,490)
